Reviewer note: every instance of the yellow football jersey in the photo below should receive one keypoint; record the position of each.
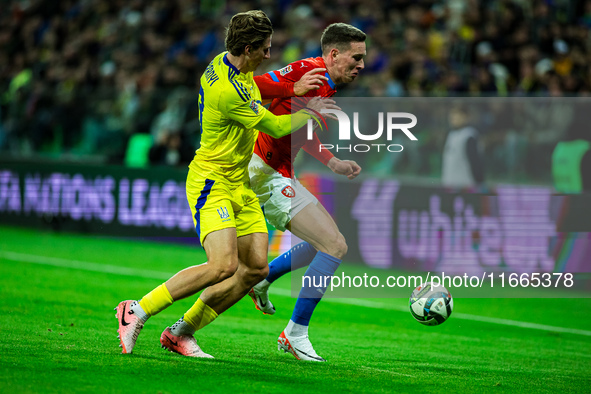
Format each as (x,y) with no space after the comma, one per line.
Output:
(229,108)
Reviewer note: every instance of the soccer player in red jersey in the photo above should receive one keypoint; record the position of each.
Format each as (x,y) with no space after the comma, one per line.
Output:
(286,203)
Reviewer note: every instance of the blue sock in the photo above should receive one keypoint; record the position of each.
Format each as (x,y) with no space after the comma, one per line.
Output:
(322,265)
(297,257)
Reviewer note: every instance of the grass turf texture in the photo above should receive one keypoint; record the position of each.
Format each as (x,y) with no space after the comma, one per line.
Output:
(59,334)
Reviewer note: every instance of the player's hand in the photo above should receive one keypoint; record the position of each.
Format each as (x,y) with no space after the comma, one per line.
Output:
(349,168)
(318,103)
(312,80)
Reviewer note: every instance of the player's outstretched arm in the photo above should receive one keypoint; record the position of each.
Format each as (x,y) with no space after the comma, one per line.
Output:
(280,126)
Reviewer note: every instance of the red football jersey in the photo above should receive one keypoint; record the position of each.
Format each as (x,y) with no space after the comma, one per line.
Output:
(279,153)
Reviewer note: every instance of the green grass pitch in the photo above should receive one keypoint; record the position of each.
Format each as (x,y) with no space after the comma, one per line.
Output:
(58,333)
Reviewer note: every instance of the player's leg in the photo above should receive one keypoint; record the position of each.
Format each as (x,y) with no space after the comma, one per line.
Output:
(298,256)
(207,199)
(251,242)
(314,225)
(222,262)
(221,248)
(276,193)
(218,298)
(301,255)
(282,199)
(252,269)
(283,211)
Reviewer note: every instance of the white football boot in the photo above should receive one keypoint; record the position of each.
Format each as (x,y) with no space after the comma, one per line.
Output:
(300,347)
(182,344)
(129,326)
(260,296)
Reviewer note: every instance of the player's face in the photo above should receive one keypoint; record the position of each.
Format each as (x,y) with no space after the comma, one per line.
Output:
(255,56)
(349,63)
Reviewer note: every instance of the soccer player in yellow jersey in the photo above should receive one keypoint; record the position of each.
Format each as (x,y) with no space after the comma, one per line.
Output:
(226,212)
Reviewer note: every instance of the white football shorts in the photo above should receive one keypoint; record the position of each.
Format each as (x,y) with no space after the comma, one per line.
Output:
(281,198)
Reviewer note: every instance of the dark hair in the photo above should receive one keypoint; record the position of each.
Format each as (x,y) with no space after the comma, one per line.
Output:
(340,35)
(247,28)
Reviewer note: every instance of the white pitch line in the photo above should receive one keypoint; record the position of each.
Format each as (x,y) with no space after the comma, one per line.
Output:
(149,274)
(83,265)
(387,371)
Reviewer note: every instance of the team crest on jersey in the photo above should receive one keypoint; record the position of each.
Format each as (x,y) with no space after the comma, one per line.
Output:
(254,106)
(224,215)
(285,70)
(288,192)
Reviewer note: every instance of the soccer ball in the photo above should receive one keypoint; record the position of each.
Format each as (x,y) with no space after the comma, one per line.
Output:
(431,305)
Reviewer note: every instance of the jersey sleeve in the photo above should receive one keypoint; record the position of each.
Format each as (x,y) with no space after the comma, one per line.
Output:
(313,148)
(238,105)
(279,83)
(282,125)
(271,87)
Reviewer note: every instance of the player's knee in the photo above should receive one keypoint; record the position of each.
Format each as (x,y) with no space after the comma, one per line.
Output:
(337,246)
(257,273)
(261,273)
(341,246)
(225,270)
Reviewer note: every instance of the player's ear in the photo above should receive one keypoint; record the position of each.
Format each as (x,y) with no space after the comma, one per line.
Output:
(334,52)
(247,50)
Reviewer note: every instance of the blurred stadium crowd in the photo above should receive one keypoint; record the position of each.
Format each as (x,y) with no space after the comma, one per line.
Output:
(82,79)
